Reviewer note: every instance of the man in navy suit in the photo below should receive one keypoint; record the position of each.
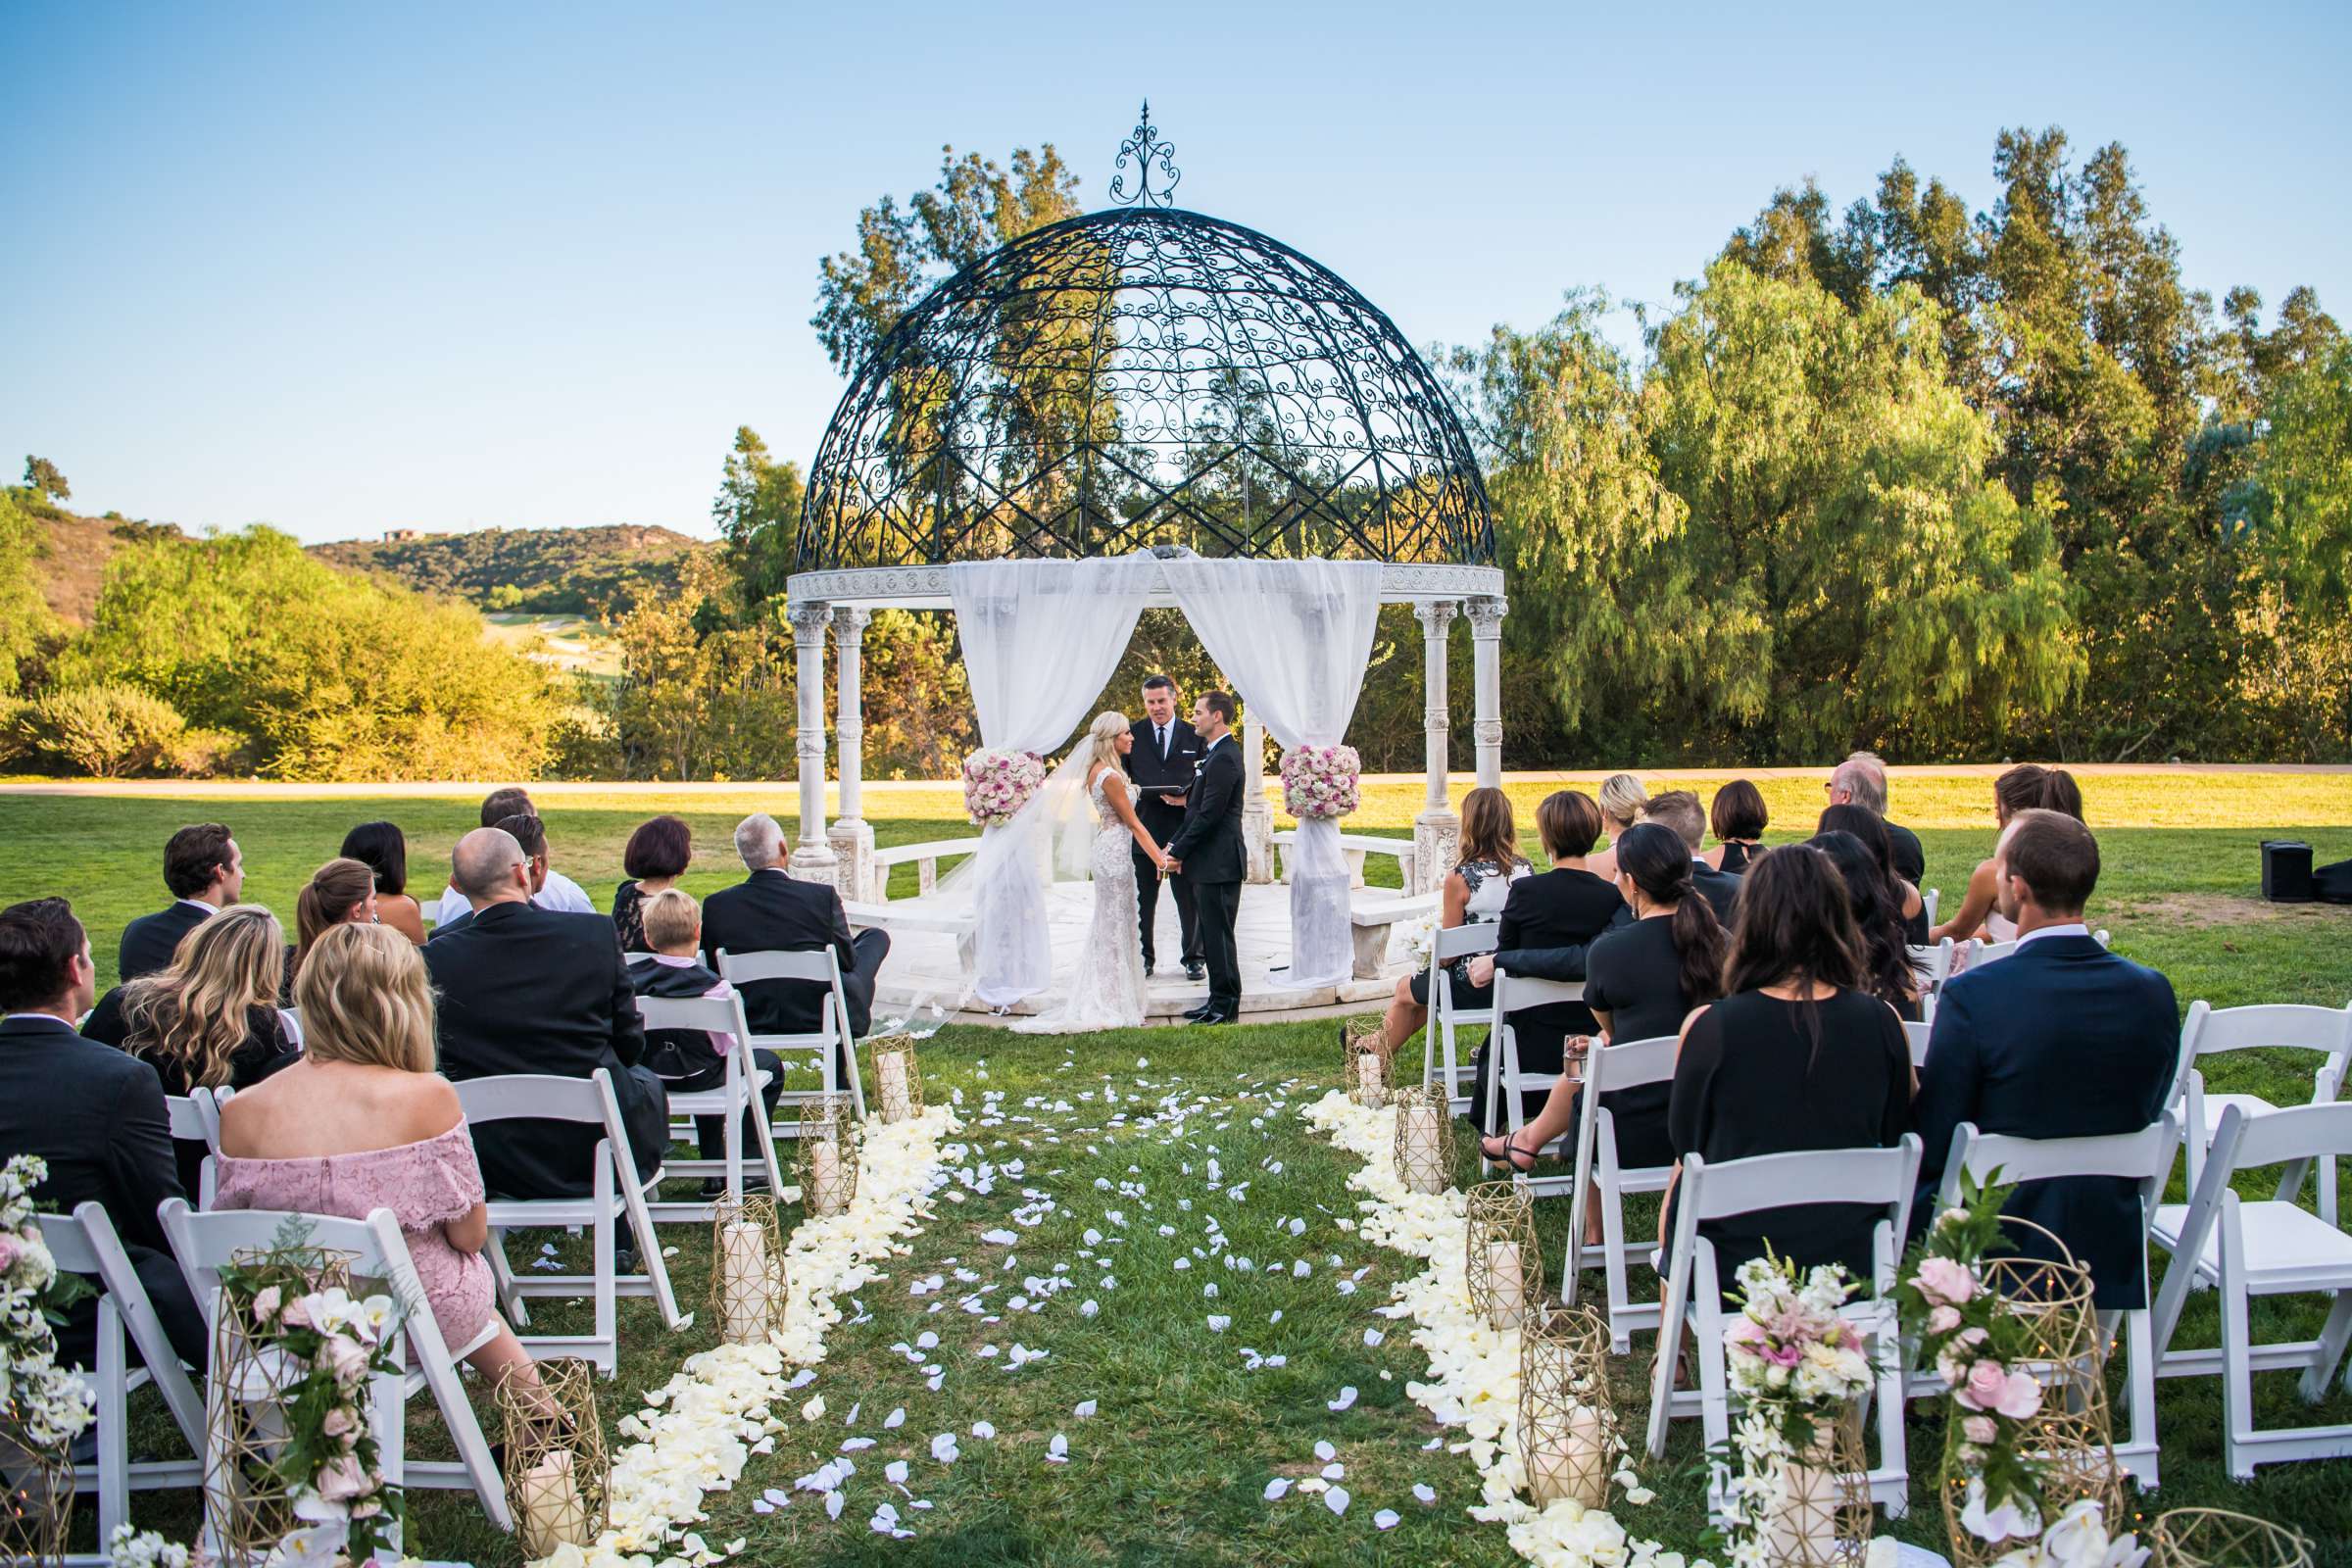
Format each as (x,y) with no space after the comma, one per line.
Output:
(205,872)
(1207,851)
(1164,756)
(2062,1038)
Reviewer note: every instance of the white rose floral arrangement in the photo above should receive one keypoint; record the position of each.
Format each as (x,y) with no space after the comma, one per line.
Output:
(1797,1365)
(47,1403)
(1320,782)
(997,783)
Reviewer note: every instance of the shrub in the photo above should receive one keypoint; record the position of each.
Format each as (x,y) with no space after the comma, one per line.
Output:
(106,729)
(196,752)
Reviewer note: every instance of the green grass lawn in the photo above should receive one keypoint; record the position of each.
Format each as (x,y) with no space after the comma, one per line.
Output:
(1172,1465)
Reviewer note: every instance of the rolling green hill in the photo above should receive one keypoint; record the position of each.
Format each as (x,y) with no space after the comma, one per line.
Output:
(594,571)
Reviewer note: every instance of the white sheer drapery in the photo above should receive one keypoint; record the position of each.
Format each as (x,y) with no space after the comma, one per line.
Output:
(1294,637)
(1040,639)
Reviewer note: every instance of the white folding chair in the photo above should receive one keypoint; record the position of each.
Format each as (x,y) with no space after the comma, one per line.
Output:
(614,1188)
(205,1244)
(2209,1031)
(820,967)
(1881,1178)
(2144,1157)
(1930,897)
(1506,1082)
(1917,1035)
(196,1117)
(731,1100)
(2263,1246)
(1607,1070)
(1934,964)
(1454,942)
(84,1243)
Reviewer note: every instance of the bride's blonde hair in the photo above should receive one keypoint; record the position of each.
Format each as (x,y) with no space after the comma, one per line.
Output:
(1103,739)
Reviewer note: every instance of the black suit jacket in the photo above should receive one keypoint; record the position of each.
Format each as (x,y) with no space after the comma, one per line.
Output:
(149,941)
(1209,843)
(2062,1038)
(1910,861)
(1721,888)
(1142,765)
(770,911)
(527,989)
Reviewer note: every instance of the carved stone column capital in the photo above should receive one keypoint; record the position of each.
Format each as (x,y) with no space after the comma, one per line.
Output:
(1486,616)
(849,622)
(809,623)
(1435,616)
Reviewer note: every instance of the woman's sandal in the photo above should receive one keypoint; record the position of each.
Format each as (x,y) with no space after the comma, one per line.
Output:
(1510,1152)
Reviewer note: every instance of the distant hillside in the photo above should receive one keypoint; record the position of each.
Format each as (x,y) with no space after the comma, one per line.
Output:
(80,548)
(591,572)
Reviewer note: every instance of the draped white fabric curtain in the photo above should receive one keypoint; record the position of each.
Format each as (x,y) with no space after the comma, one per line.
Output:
(1040,640)
(1294,638)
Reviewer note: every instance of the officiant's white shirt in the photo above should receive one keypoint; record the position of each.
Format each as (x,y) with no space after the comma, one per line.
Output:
(562,894)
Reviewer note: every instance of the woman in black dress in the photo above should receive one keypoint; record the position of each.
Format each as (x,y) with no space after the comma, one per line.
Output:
(657,856)
(385,849)
(208,1019)
(1886,948)
(1871,828)
(1640,982)
(1798,1055)
(1566,907)
(342,892)
(1737,817)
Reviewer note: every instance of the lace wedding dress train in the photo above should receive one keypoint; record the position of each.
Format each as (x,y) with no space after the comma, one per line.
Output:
(1106,986)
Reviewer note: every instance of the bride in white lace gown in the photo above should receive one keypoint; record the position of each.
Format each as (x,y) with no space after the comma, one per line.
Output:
(1106,985)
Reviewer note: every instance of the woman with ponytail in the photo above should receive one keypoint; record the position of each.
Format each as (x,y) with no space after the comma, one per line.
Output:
(1640,981)
(342,892)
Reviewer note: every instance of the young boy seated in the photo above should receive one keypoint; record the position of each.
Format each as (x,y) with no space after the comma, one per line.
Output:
(690,1059)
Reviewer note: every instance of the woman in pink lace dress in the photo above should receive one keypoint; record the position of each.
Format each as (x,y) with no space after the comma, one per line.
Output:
(363,1122)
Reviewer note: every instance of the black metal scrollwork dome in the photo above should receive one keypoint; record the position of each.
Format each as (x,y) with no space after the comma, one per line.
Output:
(1144,375)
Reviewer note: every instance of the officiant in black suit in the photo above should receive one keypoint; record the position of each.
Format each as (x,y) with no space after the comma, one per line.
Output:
(1165,753)
(1207,852)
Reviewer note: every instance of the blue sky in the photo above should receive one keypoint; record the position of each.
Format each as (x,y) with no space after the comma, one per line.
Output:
(347,267)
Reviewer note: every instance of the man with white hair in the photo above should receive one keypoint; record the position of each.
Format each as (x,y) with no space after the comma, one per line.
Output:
(1861,780)
(769,911)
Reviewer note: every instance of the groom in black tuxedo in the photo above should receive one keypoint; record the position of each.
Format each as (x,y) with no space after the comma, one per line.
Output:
(1165,753)
(1207,852)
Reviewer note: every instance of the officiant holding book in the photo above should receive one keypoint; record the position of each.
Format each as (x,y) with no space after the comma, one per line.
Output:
(1160,764)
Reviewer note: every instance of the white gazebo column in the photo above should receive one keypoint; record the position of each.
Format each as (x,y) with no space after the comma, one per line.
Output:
(812,857)
(851,837)
(1437,830)
(1485,647)
(1257,817)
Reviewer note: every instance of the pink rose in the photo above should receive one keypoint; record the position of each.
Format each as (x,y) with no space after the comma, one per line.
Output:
(341,1422)
(1944,1319)
(341,1480)
(1943,1282)
(1979,1429)
(10,1251)
(1983,1385)
(344,1356)
(297,1313)
(265,1304)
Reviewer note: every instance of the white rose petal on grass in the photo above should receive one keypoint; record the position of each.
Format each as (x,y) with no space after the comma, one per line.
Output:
(1372,1337)
(1335,1499)
(1088,1307)
(983,1430)
(1219,1322)
(1424,1492)
(943,1450)
(1325,1451)
(895,1472)
(834,1502)
(1083,1408)
(894,1420)
(1347,1398)
(1057,1450)
(1385,1519)
(1277,1488)
(1334,1470)
(813,1409)
(1639,1496)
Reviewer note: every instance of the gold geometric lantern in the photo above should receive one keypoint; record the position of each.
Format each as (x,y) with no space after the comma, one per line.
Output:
(898,1080)
(36,1498)
(557,1472)
(2070,1435)
(827,1155)
(1504,1270)
(1819,1514)
(1567,1424)
(1365,1060)
(247,1503)
(2215,1538)
(1424,1148)
(747,1270)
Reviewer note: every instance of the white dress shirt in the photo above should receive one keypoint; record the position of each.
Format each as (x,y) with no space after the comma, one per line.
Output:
(2070,928)
(562,894)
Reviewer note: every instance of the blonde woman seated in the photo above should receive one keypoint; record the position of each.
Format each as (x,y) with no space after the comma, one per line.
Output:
(363,1122)
(1486,865)
(1623,801)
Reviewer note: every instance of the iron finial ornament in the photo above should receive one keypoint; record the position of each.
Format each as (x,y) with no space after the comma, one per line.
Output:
(1145,148)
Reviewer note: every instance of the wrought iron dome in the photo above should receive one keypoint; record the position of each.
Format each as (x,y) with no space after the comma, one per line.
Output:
(1137,377)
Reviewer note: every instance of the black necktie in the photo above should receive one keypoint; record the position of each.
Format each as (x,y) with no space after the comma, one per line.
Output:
(1163,742)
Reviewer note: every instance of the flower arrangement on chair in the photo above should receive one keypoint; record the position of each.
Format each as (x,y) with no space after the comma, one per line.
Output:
(43,1406)
(2026,1455)
(997,783)
(1320,782)
(1800,1367)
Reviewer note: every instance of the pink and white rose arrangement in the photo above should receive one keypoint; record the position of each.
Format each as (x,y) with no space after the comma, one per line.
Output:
(997,783)
(1320,782)
(46,1404)
(1799,1364)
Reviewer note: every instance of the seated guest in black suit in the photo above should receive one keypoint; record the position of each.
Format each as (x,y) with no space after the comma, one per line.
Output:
(2063,1039)
(95,1115)
(205,872)
(1566,907)
(1861,780)
(655,857)
(1640,981)
(1886,951)
(210,1019)
(527,989)
(772,912)
(1871,828)
(1798,1055)
(1679,809)
(1739,818)
(690,1060)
